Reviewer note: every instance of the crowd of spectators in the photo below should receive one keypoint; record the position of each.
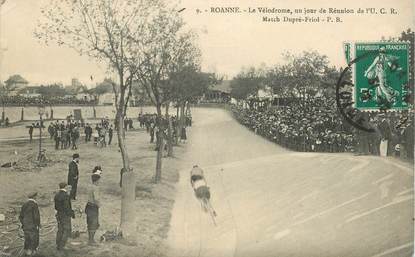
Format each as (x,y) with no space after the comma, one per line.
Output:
(308,126)
(28,101)
(314,125)
(158,127)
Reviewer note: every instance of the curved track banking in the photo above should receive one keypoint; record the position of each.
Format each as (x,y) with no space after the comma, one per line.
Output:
(275,202)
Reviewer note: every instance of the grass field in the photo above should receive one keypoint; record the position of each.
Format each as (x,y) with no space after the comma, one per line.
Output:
(153,201)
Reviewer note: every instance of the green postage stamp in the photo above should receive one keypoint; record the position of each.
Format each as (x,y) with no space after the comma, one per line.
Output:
(380,75)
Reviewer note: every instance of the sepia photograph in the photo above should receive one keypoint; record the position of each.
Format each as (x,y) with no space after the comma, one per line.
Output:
(207,128)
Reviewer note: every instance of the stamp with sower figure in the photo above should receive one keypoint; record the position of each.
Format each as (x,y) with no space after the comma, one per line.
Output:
(381,78)
(377,79)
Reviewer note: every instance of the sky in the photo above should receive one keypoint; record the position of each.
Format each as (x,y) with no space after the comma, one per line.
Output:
(228,41)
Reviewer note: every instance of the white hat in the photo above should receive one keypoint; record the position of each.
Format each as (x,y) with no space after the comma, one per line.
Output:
(97,172)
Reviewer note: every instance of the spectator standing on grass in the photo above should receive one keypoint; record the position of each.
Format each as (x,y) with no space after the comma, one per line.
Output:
(51,130)
(58,136)
(130,124)
(63,138)
(147,123)
(68,135)
(92,206)
(30,219)
(64,213)
(126,124)
(88,132)
(31,132)
(73,175)
(102,135)
(183,136)
(152,128)
(75,137)
(110,134)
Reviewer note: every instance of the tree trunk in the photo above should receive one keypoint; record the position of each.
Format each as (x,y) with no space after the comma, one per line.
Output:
(170,133)
(128,211)
(177,123)
(182,119)
(160,145)
(3,113)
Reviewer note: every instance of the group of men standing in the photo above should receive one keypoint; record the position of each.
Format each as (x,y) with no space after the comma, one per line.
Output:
(65,134)
(157,127)
(387,138)
(30,215)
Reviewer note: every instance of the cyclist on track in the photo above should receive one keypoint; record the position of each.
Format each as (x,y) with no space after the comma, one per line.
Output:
(202,192)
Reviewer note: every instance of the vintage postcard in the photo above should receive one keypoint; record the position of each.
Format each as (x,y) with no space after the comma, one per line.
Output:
(190,128)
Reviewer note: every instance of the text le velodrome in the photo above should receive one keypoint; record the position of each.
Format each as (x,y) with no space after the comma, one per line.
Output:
(286,14)
(273,10)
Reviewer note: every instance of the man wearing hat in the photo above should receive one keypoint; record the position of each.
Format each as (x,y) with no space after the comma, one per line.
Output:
(64,213)
(92,207)
(30,219)
(73,175)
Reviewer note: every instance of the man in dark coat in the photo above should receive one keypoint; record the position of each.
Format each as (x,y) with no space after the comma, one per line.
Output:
(30,219)
(110,134)
(125,123)
(152,128)
(51,130)
(64,213)
(31,132)
(75,136)
(73,175)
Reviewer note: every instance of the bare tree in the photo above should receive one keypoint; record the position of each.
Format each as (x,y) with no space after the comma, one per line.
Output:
(103,31)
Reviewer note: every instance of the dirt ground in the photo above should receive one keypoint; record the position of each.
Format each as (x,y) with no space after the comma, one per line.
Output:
(154,201)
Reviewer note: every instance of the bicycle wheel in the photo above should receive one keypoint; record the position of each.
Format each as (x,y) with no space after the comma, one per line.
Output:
(211,211)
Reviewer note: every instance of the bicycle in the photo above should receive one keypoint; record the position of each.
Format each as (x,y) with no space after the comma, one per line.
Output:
(207,207)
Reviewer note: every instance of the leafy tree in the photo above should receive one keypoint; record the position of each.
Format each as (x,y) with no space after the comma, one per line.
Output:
(188,85)
(279,79)
(306,72)
(104,87)
(247,83)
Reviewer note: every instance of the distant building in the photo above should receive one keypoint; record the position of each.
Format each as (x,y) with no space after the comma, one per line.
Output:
(106,99)
(264,93)
(75,87)
(218,93)
(75,83)
(84,97)
(15,84)
(31,92)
